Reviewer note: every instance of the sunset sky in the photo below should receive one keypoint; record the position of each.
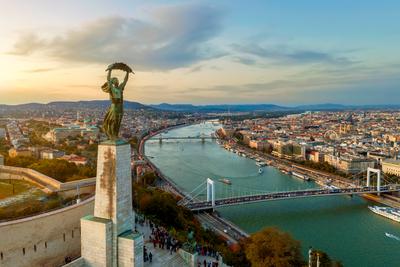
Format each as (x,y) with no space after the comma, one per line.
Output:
(202,52)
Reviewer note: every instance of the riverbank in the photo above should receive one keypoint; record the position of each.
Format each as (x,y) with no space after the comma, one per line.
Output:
(342,226)
(321,178)
(225,228)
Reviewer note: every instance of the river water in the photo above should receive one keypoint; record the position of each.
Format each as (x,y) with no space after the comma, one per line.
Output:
(340,225)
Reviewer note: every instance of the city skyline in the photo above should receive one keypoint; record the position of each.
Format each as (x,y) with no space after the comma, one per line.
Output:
(202,52)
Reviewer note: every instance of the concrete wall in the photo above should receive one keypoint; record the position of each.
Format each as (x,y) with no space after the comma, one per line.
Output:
(79,262)
(189,258)
(43,240)
(47,183)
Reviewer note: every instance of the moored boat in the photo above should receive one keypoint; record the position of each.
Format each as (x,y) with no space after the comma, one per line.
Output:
(301,176)
(388,212)
(225,181)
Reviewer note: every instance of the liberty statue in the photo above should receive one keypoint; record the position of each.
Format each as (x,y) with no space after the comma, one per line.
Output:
(113,118)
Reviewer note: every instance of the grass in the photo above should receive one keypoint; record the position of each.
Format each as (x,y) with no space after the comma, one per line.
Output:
(16,205)
(9,188)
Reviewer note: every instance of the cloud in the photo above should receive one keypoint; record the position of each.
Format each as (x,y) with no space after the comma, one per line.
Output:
(245,60)
(195,69)
(27,44)
(39,70)
(366,87)
(286,55)
(173,37)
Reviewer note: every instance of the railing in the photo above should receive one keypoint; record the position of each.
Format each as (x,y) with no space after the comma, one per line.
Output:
(186,137)
(289,195)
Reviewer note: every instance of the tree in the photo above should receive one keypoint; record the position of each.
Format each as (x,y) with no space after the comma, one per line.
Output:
(235,255)
(20,161)
(324,259)
(271,247)
(148,178)
(134,142)
(55,168)
(4,146)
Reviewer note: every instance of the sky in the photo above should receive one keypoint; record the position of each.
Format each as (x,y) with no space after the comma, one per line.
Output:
(202,52)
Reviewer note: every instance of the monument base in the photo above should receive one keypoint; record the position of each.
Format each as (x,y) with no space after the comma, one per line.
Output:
(130,249)
(97,245)
(107,238)
(96,241)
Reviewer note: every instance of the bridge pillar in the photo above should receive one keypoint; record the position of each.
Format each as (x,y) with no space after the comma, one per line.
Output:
(378,182)
(211,192)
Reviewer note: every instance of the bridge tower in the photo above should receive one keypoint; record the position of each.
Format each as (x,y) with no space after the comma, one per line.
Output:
(211,192)
(378,173)
(202,136)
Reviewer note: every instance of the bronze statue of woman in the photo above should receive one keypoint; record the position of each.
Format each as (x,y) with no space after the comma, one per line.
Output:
(113,118)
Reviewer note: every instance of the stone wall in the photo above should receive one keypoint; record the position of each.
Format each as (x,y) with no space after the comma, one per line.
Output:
(44,240)
(189,258)
(47,183)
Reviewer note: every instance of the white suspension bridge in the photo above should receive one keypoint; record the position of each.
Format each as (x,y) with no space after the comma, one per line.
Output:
(195,199)
(200,136)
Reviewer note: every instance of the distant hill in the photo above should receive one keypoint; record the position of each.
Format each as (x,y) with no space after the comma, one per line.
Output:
(93,104)
(326,106)
(223,108)
(220,108)
(175,107)
(265,107)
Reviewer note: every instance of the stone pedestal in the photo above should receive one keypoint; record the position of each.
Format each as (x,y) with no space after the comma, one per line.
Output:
(130,249)
(113,198)
(96,242)
(109,231)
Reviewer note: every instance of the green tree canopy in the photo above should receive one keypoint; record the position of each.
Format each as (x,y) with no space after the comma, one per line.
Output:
(58,169)
(20,161)
(61,170)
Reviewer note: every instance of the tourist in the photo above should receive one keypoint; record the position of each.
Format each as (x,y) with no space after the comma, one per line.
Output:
(144,253)
(150,257)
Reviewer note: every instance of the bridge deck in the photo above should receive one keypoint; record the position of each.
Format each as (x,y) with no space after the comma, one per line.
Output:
(186,137)
(205,205)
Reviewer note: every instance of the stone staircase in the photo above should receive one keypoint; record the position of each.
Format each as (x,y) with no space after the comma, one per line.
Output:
(162,258)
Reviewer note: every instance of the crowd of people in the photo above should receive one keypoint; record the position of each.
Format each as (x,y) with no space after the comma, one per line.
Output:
(161,238)
(212,263)
(158,236)
(207,252)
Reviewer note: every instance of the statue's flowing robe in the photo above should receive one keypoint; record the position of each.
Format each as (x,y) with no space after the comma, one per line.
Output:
(113,118)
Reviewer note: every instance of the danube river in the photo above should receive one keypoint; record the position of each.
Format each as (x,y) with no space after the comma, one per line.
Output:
(340,225)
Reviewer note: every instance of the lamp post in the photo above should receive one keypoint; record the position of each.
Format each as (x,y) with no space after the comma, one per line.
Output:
(310,257)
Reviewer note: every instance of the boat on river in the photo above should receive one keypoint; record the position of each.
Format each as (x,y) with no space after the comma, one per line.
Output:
(260,170)
(225,181)
(301,176)
(392,236)
(388,212)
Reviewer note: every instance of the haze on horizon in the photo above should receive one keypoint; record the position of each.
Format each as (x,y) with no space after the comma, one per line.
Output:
(202,52)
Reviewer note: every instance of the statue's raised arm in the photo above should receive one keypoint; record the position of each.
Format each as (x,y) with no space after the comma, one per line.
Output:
(122,85)
(113,118)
